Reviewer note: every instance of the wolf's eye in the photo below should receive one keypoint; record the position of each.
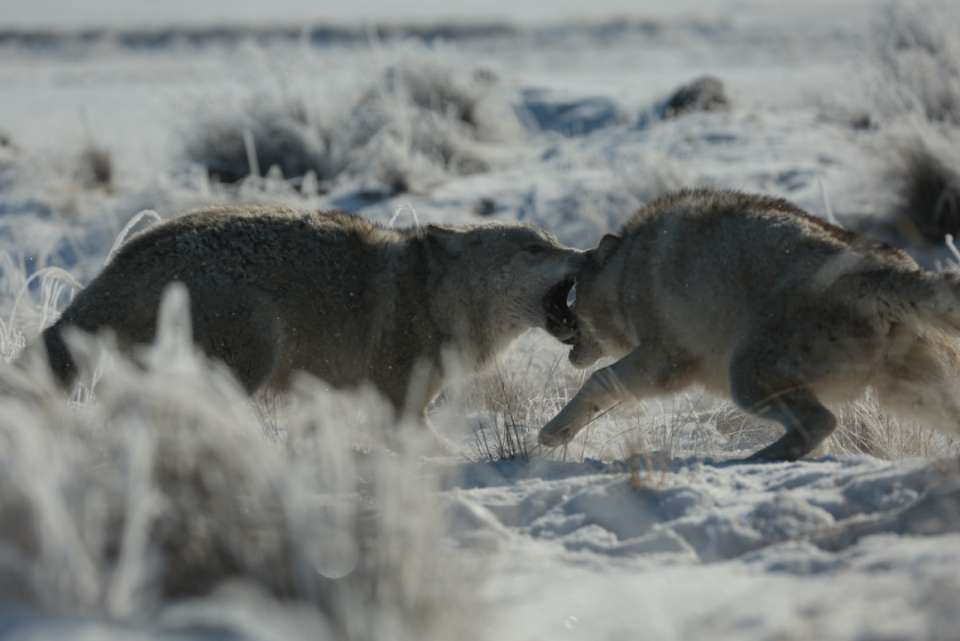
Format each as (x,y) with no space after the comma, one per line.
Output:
(534,249)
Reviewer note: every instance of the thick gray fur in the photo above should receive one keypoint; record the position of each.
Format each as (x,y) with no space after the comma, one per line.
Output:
(275,291)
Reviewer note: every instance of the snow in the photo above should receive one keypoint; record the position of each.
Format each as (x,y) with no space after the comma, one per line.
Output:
(818,550)
(50,14)
(612,538)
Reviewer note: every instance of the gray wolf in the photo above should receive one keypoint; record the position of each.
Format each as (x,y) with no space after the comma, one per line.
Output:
(760,302)
(275,291)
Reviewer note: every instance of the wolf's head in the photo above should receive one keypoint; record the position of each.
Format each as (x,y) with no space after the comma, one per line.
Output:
(599,330)
(512,276)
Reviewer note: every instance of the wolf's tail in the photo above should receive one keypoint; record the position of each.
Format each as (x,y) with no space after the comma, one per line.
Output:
(931,297)
(89,312)
(62,365)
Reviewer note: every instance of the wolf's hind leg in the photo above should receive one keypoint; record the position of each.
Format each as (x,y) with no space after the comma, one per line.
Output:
(602,391)
(798,352)
(638,374)
(807,421)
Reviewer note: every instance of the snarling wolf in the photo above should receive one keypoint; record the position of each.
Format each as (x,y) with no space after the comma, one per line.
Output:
(274,291)
(762,303)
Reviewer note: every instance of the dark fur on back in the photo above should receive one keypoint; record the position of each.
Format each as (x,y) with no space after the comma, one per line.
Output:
(275,291)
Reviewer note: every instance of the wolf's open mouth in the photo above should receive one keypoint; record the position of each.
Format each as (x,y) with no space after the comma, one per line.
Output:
(561,323)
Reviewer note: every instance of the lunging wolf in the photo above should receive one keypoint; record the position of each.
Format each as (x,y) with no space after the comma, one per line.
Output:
(760,302)
(275,290)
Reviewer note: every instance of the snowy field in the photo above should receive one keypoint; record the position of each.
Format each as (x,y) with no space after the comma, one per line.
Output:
(165,505)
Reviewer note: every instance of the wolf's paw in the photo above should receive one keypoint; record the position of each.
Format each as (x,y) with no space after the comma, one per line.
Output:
(772,454)
(555,435)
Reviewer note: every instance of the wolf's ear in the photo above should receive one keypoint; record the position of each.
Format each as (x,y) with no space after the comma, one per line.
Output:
(451,240)
(608,245)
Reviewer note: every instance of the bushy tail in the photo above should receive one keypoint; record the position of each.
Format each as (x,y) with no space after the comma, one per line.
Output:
(94,308)
(932,297)
(61,360)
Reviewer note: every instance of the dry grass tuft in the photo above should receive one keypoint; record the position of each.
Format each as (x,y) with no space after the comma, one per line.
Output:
(706,93)
(648,467)
(509,403)
(503,441)
(95,168)
(514,402)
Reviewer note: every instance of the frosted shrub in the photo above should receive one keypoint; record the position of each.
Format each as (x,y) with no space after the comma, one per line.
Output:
(165,487)
(917,48)
(291,135)
(427,116)
(919,52)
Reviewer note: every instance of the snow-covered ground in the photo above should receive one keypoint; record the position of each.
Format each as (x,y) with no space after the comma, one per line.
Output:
(638,530)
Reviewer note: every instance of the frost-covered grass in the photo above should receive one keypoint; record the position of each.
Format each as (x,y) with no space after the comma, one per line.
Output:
(164,486)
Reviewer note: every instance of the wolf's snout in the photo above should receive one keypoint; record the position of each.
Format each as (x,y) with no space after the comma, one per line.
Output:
(550,436)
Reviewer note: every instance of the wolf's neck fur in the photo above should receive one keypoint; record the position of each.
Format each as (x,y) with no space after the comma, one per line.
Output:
(459,312)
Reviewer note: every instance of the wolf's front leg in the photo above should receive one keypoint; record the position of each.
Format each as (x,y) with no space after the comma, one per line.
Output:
(633,376)
(641,373)
(602,391)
